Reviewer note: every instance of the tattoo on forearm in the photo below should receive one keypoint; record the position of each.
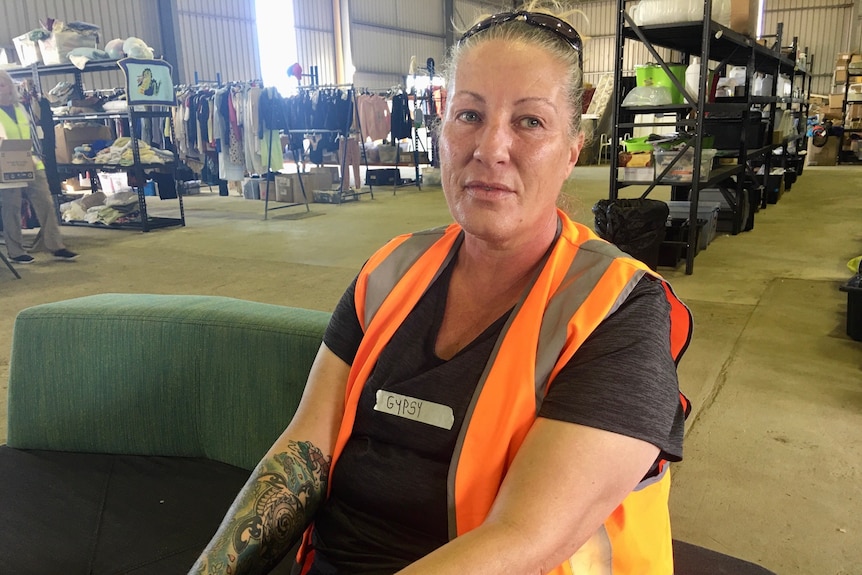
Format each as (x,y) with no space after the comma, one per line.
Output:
(270,512)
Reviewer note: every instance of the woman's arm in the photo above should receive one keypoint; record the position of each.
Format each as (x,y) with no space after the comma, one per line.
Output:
(287,486)
(564,482)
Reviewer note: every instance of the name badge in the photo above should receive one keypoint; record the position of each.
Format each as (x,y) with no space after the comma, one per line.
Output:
(419,410)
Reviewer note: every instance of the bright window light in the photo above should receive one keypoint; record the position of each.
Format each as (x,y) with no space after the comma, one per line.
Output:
(421,83)
(276,39)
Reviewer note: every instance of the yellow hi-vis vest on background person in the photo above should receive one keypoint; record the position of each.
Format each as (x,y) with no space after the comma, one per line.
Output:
(583,281)
(18,129)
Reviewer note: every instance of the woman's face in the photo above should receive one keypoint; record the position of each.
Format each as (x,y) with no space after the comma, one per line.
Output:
(505,147)
(7,92)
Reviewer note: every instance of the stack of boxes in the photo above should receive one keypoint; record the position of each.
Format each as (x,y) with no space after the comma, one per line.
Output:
(844,108)
(847,78)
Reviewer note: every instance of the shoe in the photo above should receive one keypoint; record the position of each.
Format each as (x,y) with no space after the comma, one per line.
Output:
(64,254)
(23,259)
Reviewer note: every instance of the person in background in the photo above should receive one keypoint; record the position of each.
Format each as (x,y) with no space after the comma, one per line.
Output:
(497,396)
(15,125)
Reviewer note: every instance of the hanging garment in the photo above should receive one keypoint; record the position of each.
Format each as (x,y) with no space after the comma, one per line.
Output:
(402,125)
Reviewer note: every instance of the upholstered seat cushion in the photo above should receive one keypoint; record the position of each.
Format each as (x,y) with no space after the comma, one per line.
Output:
(95,514)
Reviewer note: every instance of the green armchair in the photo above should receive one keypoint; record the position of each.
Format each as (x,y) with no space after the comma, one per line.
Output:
(134,420)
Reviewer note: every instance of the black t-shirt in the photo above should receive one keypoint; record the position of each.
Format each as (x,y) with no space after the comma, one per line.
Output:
(388,503)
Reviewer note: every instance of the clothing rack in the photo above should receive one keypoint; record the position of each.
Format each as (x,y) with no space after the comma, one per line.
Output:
(343,132)
(432,115)
(217,81)
(388,93)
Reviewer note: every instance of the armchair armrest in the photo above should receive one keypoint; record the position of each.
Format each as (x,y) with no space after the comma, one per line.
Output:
(176,375)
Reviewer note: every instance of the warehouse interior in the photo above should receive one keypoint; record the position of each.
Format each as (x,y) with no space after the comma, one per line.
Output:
(773,371)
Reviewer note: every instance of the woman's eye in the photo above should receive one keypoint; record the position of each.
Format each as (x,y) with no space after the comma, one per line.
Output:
(531,122)
(469,116)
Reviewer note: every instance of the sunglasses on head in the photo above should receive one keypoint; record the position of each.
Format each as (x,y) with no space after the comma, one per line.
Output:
(545,21)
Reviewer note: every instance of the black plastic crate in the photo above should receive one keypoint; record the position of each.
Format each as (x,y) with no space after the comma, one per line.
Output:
(383,177)
(673,250)
(854,310)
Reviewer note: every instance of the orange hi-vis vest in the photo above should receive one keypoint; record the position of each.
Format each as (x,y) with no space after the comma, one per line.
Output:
(583,280)
(18,129)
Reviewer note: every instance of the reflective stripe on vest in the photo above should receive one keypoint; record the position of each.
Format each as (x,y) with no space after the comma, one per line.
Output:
(18,129)
(582,281)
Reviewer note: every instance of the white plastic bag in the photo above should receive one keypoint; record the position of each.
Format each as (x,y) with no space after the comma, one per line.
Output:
(648,12)
(648,96)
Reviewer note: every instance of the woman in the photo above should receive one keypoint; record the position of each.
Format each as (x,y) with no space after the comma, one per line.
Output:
(498,396)
(15,125)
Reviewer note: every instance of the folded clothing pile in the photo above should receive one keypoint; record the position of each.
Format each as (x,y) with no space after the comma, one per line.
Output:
(97,207)
(121,153)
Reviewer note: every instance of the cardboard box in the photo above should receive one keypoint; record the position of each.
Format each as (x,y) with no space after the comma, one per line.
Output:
(840,76)
(328,174)
(844,56)
(286,188)
(833,114)
(55,49)
(826,155)
(68,140)
(836,100)
(27,50)
(16,161)
(327,196)
(743,16)
(854,111)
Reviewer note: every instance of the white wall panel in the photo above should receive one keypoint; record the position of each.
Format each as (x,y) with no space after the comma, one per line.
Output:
(315,37)
(218,37)
(419,16)
(385,34)
(825,27)
(467,11)
(116,20)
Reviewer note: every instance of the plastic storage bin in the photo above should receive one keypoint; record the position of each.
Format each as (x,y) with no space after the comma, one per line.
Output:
(683,169)
(654,75)
(707,212)
(854,308)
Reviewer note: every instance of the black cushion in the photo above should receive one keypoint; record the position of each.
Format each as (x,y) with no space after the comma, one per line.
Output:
(690,559)
(94,514)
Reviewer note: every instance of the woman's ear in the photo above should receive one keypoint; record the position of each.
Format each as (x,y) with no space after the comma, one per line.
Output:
(575,148)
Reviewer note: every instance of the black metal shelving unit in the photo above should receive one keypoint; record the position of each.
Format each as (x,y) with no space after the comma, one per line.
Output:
(847,156)
(710,41)
(137,168)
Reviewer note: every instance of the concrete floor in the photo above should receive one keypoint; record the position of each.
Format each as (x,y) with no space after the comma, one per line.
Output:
(773,463)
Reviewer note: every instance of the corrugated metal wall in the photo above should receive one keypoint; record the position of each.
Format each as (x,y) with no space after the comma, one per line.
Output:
(217,37)
(596,23)
(468,11)
(825,27)
(116,19)
(315,37)
(386,33)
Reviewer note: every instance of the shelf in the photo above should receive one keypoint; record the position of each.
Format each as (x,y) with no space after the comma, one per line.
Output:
(92,66)
(124,115)
(735,119)
(687,37)
(111,167)
(152,224)
(733,104)
(715,175)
